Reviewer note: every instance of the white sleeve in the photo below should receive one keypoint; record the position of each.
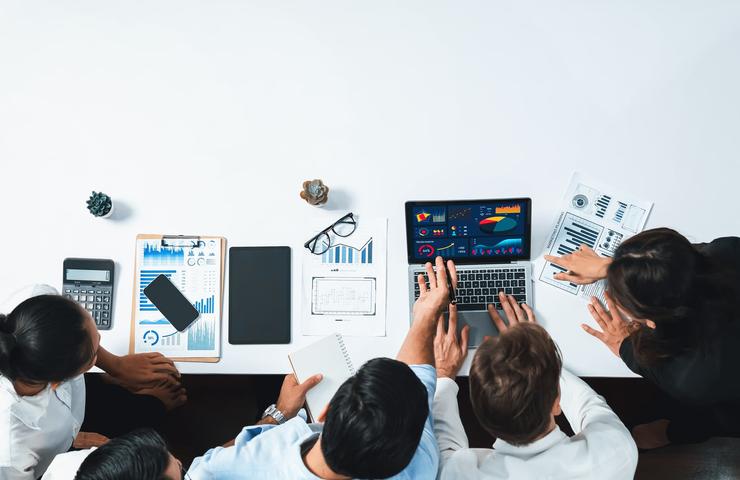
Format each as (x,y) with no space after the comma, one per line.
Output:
(448,427)
(10,473)
(610,443)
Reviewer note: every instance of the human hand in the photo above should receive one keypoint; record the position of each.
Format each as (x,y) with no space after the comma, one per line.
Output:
(144,370)
(293,394)
(449,352)
(584,266)
(436,296)
(614,328)
(515,313)
(85,440)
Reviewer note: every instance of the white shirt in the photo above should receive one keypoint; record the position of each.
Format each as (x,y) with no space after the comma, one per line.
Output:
(65,465)
(34,429)
(601,448)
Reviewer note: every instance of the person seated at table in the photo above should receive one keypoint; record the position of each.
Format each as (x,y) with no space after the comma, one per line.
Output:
(141,454)
(674,318)
(46,343)
(517,388)
(377,425)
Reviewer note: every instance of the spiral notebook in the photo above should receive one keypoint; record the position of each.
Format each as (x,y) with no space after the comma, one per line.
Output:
(328,357)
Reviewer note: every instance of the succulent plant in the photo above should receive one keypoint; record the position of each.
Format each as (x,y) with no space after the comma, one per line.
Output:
(99,204)
(315,192)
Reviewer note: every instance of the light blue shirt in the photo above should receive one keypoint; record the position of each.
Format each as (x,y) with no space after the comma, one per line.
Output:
(274,451)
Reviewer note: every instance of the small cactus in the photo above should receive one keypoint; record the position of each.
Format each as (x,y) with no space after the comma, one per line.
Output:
(315,192)
(99,204)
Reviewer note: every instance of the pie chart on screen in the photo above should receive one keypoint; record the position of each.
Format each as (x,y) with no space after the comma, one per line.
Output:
(497,224)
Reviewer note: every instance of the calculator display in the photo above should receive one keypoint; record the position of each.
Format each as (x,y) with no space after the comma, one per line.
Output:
(88,275)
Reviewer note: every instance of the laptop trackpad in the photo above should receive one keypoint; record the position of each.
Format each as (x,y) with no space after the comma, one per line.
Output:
(481,326)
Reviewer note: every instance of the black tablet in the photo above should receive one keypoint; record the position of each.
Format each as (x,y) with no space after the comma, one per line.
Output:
(259,295)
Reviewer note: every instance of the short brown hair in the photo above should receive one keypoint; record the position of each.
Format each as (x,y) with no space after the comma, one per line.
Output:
(514,382)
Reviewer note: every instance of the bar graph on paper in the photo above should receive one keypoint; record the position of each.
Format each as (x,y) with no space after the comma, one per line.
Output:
(196,272)
(345,254)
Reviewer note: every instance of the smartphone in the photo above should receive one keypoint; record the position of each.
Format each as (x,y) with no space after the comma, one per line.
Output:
(259,295)
(171,303)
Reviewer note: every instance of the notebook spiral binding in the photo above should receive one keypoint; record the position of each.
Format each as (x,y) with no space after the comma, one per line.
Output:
(345,354)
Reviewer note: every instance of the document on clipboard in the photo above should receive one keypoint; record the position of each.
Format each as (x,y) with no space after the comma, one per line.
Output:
(195,265)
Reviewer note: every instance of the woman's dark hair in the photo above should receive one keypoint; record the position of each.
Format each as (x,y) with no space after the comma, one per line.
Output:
(44,340)
(375,421)
(659,275)
(141,454)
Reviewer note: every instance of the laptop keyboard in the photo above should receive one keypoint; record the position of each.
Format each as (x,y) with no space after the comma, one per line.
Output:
(477,288)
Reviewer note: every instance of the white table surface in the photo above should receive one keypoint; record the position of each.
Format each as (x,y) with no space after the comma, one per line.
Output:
(205,117)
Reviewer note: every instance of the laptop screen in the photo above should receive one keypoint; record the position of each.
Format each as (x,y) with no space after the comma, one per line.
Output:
(469,231)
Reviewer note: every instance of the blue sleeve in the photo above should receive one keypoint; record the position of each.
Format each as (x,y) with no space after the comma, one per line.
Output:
(425,462)
(219,461)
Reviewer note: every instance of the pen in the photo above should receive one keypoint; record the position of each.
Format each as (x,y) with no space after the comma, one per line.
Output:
(453,298)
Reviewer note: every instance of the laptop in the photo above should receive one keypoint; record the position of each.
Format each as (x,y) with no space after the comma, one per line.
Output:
(490,242)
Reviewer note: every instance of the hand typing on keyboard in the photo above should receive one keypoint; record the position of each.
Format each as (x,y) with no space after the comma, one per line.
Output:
(515,313)
(434,296)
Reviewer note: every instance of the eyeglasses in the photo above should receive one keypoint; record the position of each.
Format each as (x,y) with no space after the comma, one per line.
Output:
(344,227)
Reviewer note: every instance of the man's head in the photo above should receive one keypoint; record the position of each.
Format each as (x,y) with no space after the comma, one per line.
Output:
(374,422)
(141,454)
(514,383)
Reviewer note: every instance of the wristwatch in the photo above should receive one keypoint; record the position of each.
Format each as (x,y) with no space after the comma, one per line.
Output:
(276,414)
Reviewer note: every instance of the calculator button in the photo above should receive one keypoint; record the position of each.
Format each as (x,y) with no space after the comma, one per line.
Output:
(75,291)
(104,322)
(98,298)
(67,290)
(106,306)
(89,306)
(105,315)
(99,292)
(107,299)
(97,306)
(75,297)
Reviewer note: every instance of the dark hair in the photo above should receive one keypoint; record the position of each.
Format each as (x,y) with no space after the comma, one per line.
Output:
(44,339)
(514,382)
(375,421)
(141,454)
(659,275)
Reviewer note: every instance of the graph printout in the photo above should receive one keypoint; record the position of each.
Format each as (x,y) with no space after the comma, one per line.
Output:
(344,288)
(195,269)
(596,215)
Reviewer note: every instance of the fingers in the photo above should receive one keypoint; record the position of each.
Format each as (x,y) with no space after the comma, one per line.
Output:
(593,332)
(598,309)
(597,317)
(167,368)
(440,327)
(464,335)
(441,273)
(564,262)
(311,382)
(421,280)
(431,275)
(566,277)
(497,320)
(530,313)
(517,309)
(452,327)
(452,270)
(613,310)
(510,315)
(586,248)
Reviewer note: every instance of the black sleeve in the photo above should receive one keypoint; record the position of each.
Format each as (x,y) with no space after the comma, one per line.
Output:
(627,353)
(725,250)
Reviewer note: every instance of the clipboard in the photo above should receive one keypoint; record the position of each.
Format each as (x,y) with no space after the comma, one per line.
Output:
(188,243)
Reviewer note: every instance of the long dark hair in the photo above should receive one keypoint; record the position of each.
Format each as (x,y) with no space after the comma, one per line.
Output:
(44,340)
(659,275)
(141,454)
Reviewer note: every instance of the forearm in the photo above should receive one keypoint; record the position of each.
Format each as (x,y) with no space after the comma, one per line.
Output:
(582,406)
(417,347)
(107,361)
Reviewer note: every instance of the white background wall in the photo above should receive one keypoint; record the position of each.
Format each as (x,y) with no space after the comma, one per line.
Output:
(205,116)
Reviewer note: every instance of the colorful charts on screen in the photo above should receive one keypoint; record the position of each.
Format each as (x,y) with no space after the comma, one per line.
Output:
(497,224)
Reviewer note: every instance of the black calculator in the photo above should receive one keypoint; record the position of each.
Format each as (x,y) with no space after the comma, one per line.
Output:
(89,282)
